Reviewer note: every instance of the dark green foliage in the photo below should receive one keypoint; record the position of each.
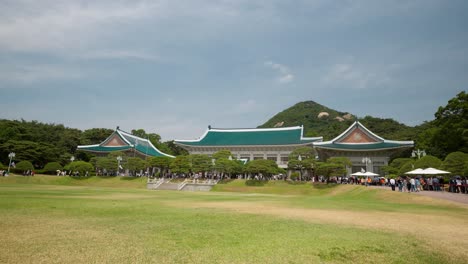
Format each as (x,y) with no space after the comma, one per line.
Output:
(181,164)
(200,163)
(172,148)
(81,166)
(332,168)
(222,154)
(264,167)
(456,163)
(162,163)
(135,164)
(94,135)
(452,125)
(408,166)
(447,133)
(428,161)
(24,165)
(306,114)
(52,167)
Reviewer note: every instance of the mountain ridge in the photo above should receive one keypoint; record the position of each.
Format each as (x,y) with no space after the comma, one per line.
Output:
(320,120)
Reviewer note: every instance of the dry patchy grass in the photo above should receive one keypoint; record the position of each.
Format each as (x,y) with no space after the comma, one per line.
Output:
(446,232)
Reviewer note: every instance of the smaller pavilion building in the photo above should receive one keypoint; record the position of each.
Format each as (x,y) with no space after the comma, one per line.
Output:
(122,141)
(365,149)
(251,143)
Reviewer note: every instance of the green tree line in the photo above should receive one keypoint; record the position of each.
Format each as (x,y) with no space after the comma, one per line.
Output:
(40,143)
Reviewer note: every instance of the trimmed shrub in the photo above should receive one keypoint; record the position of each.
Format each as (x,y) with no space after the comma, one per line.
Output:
(24,166)
(82,167)
(294,176)
(52,167)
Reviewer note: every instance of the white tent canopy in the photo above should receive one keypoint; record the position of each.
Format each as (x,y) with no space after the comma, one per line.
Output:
(432,171)
(370,174)
(428,171)
(359,174)
(418,171)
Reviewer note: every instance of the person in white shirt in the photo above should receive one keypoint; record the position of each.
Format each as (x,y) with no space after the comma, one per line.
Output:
(392,184)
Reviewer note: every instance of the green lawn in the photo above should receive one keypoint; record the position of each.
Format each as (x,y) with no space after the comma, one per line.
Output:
(52,220)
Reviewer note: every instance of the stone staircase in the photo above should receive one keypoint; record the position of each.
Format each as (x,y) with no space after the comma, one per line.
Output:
(187,185)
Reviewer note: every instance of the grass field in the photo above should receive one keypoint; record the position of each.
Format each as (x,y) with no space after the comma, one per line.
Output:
(60,220)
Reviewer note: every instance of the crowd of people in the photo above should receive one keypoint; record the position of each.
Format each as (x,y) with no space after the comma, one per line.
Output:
(417,184)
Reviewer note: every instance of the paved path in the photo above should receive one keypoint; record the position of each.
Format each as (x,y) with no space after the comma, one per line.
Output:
(455,197)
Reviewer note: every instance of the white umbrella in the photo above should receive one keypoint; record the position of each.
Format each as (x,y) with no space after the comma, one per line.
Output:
(433,171)
(418,171)
(358,174)
(370,174)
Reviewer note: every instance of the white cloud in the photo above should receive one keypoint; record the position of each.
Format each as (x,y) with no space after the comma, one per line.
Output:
(58,26)
(284,73)
(120,54)
(27,74)
(353,76)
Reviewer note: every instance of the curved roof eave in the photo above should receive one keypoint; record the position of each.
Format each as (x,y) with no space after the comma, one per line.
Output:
(242,146)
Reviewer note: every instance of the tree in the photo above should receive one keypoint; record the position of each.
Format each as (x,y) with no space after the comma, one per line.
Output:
(345,162)
(389,170)
(94,135)
(106,164)
(24,165)
(264,167)
(222,154)
(301,159)
(452,126)
(408,166)
(180,164)
(333,167)
(81,166)
(200,163)
(174,149)
(224,165)
(139,133)
(38,153)
(395,166)
(399,162)
(52,167)
(456,163)
(135,164)
(162,163)
(428,161)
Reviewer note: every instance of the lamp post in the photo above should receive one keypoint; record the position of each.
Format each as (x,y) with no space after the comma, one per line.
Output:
(119,159)
(299,164)
(11,156)
(367,161)
(418,153)
(72,158)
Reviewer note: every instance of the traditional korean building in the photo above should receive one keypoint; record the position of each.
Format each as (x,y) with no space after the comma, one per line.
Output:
(365,149)
(122,141)
(250,144)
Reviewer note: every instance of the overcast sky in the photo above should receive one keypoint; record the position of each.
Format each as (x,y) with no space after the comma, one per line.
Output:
(175,67)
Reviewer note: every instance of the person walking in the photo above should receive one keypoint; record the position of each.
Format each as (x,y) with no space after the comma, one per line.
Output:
(400,184)
(413,185)
(392,184)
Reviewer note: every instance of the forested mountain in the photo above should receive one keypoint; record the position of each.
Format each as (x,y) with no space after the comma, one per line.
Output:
(319,120)
(447,133)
